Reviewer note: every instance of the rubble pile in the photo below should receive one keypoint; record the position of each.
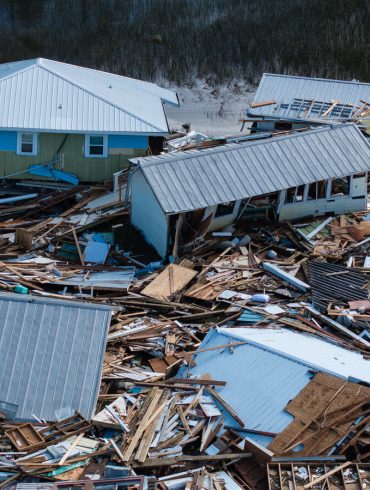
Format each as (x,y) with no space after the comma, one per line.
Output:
(155,415)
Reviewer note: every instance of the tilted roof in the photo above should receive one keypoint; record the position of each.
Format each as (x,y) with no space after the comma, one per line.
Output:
(47,95)
(308,98)
(269,370)
(190,180)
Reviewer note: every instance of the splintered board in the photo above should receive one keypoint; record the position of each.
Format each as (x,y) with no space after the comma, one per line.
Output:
(170,281)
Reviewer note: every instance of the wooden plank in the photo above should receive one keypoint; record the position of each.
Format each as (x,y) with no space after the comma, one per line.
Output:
(70,449)
(226,406)
(77,245)
(156,394)
(254,105)
(150,463)
(196,381)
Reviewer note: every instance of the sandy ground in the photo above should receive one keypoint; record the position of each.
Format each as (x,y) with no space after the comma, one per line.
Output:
(213,111)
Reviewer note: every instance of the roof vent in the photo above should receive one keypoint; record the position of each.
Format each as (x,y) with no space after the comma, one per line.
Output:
(59,106)
(110,86)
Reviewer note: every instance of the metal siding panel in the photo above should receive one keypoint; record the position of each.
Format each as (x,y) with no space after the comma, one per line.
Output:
(51,353)
(272,379)
(147,215)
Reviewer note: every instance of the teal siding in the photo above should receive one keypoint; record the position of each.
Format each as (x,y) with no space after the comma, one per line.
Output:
(128,141)
(8,141)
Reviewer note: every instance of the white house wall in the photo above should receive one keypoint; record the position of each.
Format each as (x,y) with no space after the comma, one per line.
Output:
(147,215)
(356,201)
(221,221)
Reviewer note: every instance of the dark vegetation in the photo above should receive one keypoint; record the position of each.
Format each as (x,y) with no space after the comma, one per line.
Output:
(178,40)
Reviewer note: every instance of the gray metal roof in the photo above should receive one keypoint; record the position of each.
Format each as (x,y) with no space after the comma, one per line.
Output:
(190,180)
(46,95)
(292,92)
(51,354)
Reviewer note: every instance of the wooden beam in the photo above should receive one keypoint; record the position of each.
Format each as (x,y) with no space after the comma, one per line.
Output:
(253,105)
(326,475)
(226,406)
(163,461)
(77,245)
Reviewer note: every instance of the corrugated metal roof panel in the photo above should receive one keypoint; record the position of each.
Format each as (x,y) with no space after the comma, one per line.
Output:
(311,350)
(263,375)
(258,384)
(52,96)
(51,354)
(196,179)
(285,88)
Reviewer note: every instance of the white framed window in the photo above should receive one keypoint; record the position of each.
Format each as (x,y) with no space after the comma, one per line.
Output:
(96,145)
(27,143)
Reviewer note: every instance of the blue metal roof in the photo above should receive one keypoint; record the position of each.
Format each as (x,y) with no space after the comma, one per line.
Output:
(51,355)
(259,383)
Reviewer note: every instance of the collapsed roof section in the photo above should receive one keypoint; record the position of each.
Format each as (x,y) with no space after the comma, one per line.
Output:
(51,355)
(293,97)
(268,370)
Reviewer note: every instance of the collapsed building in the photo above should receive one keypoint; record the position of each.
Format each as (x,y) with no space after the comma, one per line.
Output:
(177,197)
(285,102)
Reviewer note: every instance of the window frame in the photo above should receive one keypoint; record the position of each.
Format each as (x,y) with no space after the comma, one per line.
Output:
(88,145)
(34,143)
(222,214)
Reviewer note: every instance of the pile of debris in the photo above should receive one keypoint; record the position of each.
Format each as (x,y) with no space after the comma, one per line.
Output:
(251,353)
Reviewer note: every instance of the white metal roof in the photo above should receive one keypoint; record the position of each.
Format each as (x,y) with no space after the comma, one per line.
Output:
(307,349)
(47,95)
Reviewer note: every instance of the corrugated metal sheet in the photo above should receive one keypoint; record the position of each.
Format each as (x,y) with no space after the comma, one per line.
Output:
(196,179)
(263,375)
(333,283)
(285,88)
(308,349)
(51,96)
(51,354)
(258,384)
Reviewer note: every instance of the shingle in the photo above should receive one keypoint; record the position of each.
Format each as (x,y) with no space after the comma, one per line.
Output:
(51,354)
(190,180)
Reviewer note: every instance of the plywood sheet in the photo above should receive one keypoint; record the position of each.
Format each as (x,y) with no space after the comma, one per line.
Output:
(323,412)
(171,280)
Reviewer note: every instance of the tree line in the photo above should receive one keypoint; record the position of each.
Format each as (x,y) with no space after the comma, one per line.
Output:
(179,40)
